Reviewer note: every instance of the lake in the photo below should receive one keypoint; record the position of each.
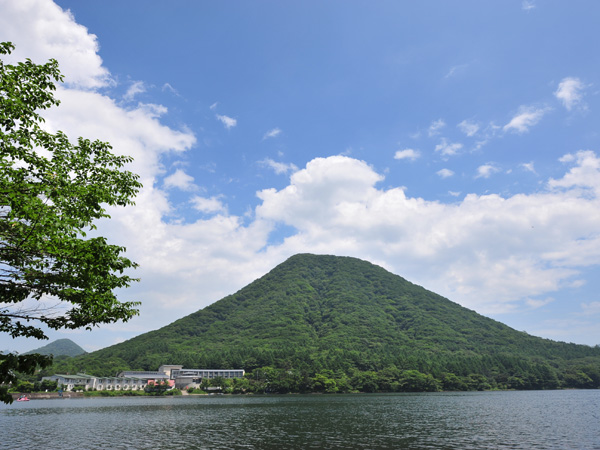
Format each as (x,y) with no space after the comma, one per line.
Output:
(467,420)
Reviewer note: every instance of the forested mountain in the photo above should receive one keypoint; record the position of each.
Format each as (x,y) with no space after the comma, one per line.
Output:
(357,325)
(60,347)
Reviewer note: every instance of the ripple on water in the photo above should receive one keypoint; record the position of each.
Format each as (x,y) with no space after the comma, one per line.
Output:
(490,420)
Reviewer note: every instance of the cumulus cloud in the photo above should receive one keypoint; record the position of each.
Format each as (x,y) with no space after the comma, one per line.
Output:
(583,175)
(41,30)
(488,252)
(445,173)
(272,133)
(435,127)
(448,148)
(208,205)
(468,127)
(180,180)
(486,170)
(485,252)
(570,93)
(526,117)
(227,121)
(407,153)
(278,167)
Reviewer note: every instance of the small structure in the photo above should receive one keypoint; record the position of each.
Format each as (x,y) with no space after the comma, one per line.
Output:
(71,382)
(173,375)
(192,378)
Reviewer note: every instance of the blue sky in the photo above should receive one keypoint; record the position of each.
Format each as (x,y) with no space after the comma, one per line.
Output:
(453,143)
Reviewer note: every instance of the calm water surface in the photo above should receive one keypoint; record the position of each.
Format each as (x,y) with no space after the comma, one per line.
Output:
(474,420)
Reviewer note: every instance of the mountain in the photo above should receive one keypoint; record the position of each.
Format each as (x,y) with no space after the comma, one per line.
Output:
(342,316)
(60,347)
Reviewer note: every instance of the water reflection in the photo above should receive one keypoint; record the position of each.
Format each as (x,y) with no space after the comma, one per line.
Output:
(498,420)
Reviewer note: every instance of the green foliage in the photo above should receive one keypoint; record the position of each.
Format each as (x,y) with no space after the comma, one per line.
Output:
(46,385)
(51,192)
(24,386)
(173,392)
(157,388)
(114,393)
(336,324)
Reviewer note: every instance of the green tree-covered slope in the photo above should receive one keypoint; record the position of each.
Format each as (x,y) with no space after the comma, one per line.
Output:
(342,316)
(60,347)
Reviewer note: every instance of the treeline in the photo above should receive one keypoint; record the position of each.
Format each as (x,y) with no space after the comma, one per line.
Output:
(391,379)
(334,315)
(25,386)
(287,369)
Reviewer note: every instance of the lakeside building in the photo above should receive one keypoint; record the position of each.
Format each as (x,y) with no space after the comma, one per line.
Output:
(174,375)
(90,382)
(164,372)
(192,378)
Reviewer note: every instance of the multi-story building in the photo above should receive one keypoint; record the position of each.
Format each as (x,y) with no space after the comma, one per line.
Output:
(174,375)
(192,378)
(89,382)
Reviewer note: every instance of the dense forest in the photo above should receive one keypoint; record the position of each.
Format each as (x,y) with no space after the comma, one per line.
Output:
(340,324)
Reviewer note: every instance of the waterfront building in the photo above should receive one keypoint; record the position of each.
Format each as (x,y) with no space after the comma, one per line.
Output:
(70,382)
(174,375)
(192,378)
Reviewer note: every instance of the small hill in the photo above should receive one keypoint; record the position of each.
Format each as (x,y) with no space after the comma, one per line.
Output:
(340,315)
(60,347)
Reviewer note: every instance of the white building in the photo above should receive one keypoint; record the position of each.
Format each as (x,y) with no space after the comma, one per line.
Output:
(69,382)
(89,382)
(192,378)
(175,375)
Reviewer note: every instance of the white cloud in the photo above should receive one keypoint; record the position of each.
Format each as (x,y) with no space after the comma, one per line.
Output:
(435,127)
(445,173)
(152,110)
(214,106)
(448,148)
(527,5)
(486,170)
(570,93)
(535,304)
(228,122)
(278,167)
(272,133)
(485,252)
(584,175)
(41,30)
(468,127)
(137,87)
(526,117)
(590,309)
(180,180)
(208,205)
(528,167)
(171,89)
(407,153)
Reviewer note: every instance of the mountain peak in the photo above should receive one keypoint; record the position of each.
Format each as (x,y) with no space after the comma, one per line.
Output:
(324,312)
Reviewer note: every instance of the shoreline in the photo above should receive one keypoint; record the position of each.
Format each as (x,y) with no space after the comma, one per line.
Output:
(46,395)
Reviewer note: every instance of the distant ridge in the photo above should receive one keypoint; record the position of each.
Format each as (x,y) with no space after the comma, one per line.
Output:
(341,316)
(60,347)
